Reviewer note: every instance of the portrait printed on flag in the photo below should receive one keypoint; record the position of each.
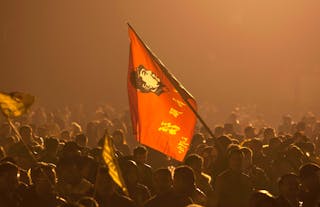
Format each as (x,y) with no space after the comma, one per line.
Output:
(146,81)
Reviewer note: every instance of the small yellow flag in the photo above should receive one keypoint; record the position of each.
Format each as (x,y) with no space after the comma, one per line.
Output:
(109,157)
(15,104)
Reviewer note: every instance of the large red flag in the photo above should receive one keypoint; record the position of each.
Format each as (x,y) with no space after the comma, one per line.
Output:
(160,106)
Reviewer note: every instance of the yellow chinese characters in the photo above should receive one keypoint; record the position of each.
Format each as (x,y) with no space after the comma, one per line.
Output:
(182,145)
(175,112)
(180,103)
(169,128)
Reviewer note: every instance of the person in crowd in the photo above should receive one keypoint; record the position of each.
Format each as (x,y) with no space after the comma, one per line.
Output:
(92,133)
(218,131)
(232,187)
(268,134)
(65,135)
(258,157)
(197,139)
(262,198)
(310,178)
(88,167)
(106,191)
(70,150)
(88,202)
(140,156)
(203,180)
(221,145)
(273,149)
(11,190)
(119,142)
(238,160)
(42,132)
(286,127)
(137,191)
(210,157)
(50,151)
(289,191)
(21,155)
(75,129)
(164,193)
(82,142)
(71,185)
(28,138)
(258,177)
(43,191)
(229,129)
(249,132)
(295,157)
(184,184)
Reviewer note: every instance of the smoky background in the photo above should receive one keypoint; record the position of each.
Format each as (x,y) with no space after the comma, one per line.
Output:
(263,55)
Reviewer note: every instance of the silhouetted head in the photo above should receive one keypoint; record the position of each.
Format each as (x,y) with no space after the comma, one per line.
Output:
(88,202)
(140,154)
(195,162)
(235,159)
(268,133)
(183,180)
(51,144)
(44,179)
(247,161)
(9,177)
(289,186)
(262,198)
(118,136)
(130,172)
(81,140)
(162,180)
(310,177)
(249,132)
(218,131)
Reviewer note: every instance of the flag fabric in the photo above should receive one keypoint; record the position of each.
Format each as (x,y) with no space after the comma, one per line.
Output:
(110,159)
(160,106)
(15,104)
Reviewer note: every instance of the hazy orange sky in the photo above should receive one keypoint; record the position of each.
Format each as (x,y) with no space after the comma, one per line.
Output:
(225,52)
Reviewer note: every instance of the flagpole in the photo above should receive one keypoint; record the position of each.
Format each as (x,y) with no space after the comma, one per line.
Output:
(22,141)
(27,148)
(175,83)
(27,102)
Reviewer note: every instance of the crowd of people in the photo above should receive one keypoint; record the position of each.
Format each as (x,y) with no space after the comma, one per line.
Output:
(56,161)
